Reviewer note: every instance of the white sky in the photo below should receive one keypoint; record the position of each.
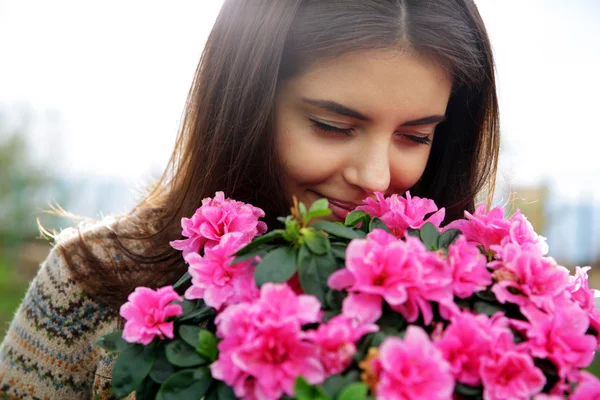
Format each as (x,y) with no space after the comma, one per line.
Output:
(117,74)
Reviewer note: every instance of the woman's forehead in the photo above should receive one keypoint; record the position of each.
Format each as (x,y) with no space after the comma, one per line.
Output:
(377,83)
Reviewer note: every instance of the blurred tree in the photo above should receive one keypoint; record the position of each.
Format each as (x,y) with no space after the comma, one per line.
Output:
(22,184)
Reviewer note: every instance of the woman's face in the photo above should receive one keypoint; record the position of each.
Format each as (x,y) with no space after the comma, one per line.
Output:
(359,123)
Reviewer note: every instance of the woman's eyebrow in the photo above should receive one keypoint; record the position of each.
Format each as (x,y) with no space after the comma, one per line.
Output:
(340,109)
(337,108)
(432,119)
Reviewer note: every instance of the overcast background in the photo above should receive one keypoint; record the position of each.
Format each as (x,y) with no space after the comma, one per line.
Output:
(110,79)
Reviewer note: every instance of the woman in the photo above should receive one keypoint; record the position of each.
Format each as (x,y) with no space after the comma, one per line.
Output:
(329,98)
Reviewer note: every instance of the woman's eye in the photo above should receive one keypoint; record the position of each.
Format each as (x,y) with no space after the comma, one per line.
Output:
(323,127)
(418,139)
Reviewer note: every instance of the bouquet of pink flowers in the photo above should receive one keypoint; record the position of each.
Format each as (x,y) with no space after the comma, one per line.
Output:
(387,305)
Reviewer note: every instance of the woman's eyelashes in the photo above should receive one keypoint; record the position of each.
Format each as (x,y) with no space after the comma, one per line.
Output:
(332,129)
(323,127)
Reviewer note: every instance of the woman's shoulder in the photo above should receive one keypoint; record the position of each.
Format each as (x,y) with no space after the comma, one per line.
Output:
(97,240)
(49,349)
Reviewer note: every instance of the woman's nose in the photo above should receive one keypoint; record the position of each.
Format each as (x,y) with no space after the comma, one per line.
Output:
(369,169)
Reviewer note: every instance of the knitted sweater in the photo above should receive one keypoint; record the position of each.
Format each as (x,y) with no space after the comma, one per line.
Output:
(49,351)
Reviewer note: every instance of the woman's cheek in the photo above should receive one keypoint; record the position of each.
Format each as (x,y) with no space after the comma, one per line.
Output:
(307,158)
(407,168)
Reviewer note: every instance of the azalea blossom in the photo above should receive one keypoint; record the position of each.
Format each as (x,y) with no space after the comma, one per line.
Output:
(400,213)
(464,343)
(146,313)
(470,273)
(583,295)
(336,341)
(412,368)
(524,276)
(216,280)
(510,375)
(559,336)
(588,387)
(580,289)
(492,229)
(264,349)
(403,273)
(216,217)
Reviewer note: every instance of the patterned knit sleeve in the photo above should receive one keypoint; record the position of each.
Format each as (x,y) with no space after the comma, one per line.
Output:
(49,351)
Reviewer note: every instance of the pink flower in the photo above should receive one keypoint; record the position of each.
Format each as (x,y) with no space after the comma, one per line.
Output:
(336,342)
(403,273)
(263,349)
(588,387)
(525,276)
(469,265)
(510,375)
(464,343)
(559,336)
(216,280)
(412,368)
(481,228)
(491,228)
(521,232)
(362,308)
(215,218)
(400,213)
(580,289)
(146,313)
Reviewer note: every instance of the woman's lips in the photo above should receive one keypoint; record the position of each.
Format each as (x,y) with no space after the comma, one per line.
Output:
(339,212)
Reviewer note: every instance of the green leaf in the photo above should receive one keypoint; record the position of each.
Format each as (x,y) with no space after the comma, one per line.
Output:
(319,213)
(266,238)
(376,223)
(487,295)
(468,391)
(147,390)
(131,368)
(113,342)
(355,391)
(482,307)
(316,241)
(413,232)
(333,385)
(355,217)
(259,251)
(337,229)
(225,392)
(335,298)
(378,338)
(326,265)
(447,238)
(319,205)
(305,391)
(162,368)
(185,277)
(392,322)
(338,250)
(190,334)
(277,266)
(198,315)
(181,354)
(187,306)
(303,211)
(184,385)
(429,236)
(208,345)
(308,274)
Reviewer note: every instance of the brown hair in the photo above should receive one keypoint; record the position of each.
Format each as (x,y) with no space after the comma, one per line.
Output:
(226,141)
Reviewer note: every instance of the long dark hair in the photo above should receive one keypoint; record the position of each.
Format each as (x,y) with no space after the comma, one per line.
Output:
(226,141)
